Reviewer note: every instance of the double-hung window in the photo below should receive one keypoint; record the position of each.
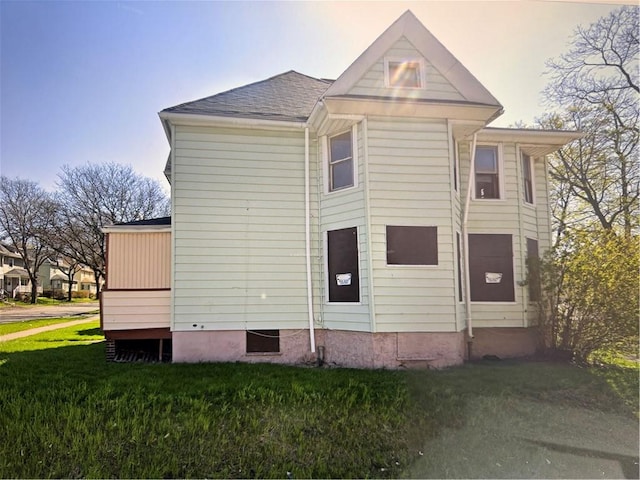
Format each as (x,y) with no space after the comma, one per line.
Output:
(527,178)
(487,170)
(341,171)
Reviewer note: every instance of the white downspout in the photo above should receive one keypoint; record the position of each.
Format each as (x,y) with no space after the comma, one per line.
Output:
(307,234)
(465,240)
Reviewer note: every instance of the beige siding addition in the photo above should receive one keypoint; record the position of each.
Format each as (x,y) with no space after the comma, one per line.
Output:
(133,310)
(139,260)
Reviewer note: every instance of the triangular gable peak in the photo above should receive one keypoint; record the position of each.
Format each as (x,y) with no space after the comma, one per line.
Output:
(442,76)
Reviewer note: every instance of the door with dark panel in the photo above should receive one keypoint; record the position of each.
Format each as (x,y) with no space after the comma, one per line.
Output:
(342,253)
(491,268)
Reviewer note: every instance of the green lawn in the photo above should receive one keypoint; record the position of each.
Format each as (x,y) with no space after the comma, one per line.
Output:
(65,412)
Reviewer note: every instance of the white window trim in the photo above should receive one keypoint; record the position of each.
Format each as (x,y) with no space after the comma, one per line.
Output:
(325,160)
(456,169)
(422,72)
(501,180)
(326,266)
(532,168)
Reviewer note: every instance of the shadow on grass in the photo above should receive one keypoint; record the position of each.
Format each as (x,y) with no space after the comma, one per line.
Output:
(628,464)
(90,331)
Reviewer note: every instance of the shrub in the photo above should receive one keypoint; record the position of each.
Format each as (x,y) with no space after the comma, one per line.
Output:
(80,294)
(59,294)
(589,295)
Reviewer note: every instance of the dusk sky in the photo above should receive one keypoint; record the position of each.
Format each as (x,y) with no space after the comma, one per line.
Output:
(83,81)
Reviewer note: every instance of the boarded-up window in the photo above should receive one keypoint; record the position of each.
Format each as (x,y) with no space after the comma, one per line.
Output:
(459,259)
(263,341)
(342,253)
(491,268)
(412,245)
(533,270)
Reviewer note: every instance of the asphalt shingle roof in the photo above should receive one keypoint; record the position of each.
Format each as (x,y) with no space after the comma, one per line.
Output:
(149,221)
(289,96)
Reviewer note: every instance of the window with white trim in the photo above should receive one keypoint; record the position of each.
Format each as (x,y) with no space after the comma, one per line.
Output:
(341,171)
(527,178)
(487,172)
(404,73)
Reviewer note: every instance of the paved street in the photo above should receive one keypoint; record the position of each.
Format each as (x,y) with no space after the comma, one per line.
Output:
(14,314)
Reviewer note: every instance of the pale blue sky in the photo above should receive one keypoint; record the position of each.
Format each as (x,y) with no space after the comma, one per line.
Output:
(83,81)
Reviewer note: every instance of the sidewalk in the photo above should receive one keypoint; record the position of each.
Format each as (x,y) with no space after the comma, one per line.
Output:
(34,331)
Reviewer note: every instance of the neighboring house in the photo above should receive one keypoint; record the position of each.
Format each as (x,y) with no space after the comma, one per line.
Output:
(14,278)
(341,220)
(53,277)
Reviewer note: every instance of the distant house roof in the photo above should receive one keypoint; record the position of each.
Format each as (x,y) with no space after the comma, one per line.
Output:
(149,221)
(7,252)
(17,272)
(289,96)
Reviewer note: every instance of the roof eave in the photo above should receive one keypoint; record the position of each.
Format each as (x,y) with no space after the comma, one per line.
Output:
(193,119)
(136,228)
(409,107)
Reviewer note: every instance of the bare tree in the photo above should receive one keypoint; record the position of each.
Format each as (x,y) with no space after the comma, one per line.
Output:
(595,84)
(26,217)
(69,268)
(94,196)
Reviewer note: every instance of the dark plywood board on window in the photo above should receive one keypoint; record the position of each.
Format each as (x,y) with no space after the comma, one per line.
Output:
(343,268)
(533,269)
(263,341)
(459,262)
(412,245)
(491,268)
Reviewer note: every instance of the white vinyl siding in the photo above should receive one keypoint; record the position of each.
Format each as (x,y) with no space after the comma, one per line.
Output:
(337,210)
(499,217)
(239,247)
(410,185)
(436,87)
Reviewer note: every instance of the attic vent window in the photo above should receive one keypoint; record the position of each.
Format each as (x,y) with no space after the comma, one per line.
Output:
(404,73)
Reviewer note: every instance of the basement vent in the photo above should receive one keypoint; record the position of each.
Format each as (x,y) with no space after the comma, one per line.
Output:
(147,351)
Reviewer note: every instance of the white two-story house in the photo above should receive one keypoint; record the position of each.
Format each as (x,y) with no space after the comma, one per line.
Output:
(372,221)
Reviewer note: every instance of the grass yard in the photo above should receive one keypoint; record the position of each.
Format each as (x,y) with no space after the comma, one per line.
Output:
(65,412)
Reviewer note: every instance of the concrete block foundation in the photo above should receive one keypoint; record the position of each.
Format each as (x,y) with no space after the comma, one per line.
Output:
(339,347)
(504,342)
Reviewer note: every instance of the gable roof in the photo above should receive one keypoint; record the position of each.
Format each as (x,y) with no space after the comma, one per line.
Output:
(289,96)
(429,47)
